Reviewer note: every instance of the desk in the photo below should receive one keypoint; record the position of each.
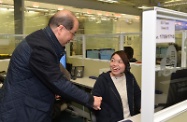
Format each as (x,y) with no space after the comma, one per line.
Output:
(159,98)
(170,113)
(85,82)
(158,68)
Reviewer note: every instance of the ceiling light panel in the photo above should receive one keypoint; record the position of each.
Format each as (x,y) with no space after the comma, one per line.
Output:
(109,1)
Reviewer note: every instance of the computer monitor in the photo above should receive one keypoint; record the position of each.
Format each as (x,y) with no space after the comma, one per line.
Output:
(105,54)
(92,53)
(63,60)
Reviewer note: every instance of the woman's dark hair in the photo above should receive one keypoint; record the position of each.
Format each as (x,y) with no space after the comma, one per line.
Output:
(124,58)
(66,21)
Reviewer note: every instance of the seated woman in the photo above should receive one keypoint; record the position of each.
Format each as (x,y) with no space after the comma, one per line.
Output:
(119,90)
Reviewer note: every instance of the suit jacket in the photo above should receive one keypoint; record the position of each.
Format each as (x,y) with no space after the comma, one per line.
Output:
(111,107)
(33,79)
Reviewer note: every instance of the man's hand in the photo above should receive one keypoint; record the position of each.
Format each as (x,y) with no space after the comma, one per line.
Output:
(97,103)
(57,97)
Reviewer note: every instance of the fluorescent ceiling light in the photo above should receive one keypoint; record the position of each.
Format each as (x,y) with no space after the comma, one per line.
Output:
(144,7)
(174,3)
(109,1)
(37,9)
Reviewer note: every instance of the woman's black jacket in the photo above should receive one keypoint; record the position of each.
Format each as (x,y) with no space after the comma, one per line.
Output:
(111,107)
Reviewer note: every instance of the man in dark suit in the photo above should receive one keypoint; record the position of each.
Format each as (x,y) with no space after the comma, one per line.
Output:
(34,77)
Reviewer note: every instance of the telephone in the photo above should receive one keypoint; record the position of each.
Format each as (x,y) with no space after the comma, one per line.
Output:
(77,72)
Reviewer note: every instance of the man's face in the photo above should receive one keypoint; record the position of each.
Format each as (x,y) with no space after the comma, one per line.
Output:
(64,35)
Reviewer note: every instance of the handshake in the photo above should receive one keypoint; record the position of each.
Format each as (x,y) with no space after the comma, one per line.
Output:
(97,102)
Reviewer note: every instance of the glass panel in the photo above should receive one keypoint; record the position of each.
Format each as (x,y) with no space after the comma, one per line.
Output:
(8,44)
(185,52)
(7,21)
(76,46)
(170,75)
(101,46)
(133,47)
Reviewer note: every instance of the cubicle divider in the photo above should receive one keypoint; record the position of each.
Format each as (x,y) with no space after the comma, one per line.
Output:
(92,67)
(89,45)
(163,30)
(4,64)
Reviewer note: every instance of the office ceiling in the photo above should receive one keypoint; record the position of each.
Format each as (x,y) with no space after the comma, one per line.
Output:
(123,6)
(179,5)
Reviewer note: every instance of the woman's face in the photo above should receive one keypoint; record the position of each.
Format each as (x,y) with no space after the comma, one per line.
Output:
(117,66)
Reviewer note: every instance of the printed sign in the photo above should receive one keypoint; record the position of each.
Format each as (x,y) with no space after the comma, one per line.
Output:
(165,31)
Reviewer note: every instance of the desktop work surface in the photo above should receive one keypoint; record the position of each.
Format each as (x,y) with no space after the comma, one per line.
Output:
(84,82)
(88,83)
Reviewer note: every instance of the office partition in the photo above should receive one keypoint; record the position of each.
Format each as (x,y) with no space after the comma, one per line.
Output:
(160,34)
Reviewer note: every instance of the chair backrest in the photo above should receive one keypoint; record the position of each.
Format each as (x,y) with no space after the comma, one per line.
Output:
(177,88)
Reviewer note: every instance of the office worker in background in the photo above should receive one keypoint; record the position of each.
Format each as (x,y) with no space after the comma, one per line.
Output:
(121,95)
(130,53)
(34,75)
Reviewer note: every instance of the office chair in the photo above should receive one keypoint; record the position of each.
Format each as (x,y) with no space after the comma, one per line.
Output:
(177,88)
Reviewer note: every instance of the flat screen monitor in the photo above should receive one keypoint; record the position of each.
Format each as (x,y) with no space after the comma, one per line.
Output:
(63,60)
(105,54)
(92,53)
